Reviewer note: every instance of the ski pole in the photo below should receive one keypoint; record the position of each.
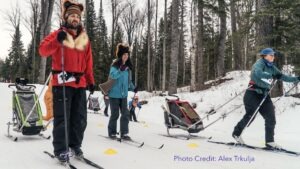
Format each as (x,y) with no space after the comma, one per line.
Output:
(257,109)
(138,114)
(285,94)
(219,107)
(223,116)
(48,123)
(214,111)
(64,101)
(36,102)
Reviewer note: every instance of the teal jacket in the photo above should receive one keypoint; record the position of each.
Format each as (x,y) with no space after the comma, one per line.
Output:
(122,84)
(262,74)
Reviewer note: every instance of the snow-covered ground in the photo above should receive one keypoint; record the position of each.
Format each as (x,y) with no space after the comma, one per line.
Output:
(28,151)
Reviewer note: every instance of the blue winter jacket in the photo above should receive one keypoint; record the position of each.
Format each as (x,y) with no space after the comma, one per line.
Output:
(122,84)
(262,73)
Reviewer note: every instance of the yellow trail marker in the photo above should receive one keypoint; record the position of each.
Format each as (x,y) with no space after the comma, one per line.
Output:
(193,145)
(110,151)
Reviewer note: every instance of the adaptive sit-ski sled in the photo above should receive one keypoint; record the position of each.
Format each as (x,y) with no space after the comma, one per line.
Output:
(181,115)
(26,111)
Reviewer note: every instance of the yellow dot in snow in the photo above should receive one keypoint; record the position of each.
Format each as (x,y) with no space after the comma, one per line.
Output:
(146,125)
(110,151)
(143,122)
(193,145)
(100,125)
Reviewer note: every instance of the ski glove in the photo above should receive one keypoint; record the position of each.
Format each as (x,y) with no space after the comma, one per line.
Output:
(277,76)
(91,88)
(123,67)
(61,36)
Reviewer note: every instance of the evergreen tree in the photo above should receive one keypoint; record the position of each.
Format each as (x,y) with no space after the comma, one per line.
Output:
(5,70)
(32,60)
(143,63)
(1,67)
(16,56)
(91,29)
(103,47)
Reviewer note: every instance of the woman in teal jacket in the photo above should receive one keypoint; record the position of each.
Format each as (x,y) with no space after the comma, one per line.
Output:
(120,71)
(262,74)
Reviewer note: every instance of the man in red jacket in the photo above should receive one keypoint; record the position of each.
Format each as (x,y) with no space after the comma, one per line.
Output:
(71,42)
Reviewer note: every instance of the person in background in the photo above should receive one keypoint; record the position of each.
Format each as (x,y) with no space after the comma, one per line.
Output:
(132,105)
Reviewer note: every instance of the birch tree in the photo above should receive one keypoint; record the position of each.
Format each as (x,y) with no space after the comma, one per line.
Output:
(45,26)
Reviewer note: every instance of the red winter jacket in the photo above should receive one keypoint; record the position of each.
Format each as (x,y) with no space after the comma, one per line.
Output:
(77,54)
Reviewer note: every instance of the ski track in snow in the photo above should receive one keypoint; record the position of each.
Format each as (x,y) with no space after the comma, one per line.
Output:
(28,151)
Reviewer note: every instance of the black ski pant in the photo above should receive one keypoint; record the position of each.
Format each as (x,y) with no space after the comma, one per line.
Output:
(116,105)
(76,109)
(106,101)
(105,110)
(132,114)
(251,102)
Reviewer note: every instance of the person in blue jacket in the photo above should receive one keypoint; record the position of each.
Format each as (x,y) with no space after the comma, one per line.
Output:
(132,105)
(262,74)
(120,71)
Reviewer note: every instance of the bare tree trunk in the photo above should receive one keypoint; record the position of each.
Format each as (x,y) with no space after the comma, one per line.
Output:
(155,46)
(264,25)
(136,66)
(199,49)
(36,7)
(129,19)
(247,59)
(140,31)
(246,53)
(277,42)
(174,48)
(181,42)
(237,54)
(192,49)
(45,26)
(31,23)
(164,49)
(113,26)
(222,39)
(149,50)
